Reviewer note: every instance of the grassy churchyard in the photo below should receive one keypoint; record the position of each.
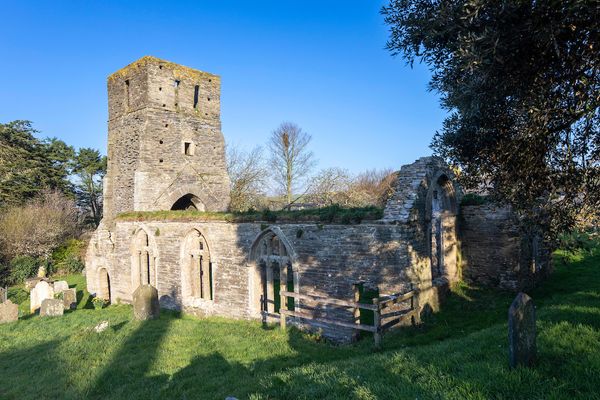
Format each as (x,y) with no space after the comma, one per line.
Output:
(460,353)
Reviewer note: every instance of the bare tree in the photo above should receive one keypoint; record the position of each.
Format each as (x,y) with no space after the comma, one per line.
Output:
(290,158)
(249,176)
(330,186)
(373,187)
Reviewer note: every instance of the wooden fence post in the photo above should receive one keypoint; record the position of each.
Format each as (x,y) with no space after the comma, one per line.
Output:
(356,290)
(283,299)
(263,312)
(377,324)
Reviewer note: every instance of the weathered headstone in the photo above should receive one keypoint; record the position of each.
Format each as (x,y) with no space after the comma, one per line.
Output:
(145,303)
(60,286)
(3,294)
(9,312)
(52,308)
(31,282)
(521,331)
(43,290)
(69,299)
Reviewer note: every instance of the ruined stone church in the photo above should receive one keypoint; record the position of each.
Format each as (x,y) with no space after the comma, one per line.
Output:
(166,152)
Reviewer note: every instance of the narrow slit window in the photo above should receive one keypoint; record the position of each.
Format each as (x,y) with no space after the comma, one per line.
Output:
(187,148)
(196,91)
(176,83)
(127,89)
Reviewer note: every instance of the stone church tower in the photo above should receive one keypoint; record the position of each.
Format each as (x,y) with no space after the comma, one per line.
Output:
(165,146)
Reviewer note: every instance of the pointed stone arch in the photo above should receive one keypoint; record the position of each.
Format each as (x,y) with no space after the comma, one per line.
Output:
(441,216)
(144,259)
(273,262)
(188,201)
(195,194)
(197,269)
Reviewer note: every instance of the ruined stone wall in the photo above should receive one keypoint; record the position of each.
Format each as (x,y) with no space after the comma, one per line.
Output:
(329,259)
(165,139)
(497,251)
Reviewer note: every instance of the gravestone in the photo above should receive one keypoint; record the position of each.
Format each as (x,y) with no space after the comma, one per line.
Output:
(60,286)
(3,294)
(41,272)
(521,332)
(43,290)
(31,282)
(9,312)
(69,299)
(145,303)
(52,308)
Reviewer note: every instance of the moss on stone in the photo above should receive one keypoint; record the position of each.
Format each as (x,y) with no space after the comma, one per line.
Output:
(179,71)
(332,215)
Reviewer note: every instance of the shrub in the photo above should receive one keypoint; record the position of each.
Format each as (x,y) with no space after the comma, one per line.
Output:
(38,227)
(98,303)
(578,241)
(23,267)
(68,257)
(472,199)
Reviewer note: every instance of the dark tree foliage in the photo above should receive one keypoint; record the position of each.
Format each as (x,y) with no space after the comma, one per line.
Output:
(521,82)
(89,168)
(29,165)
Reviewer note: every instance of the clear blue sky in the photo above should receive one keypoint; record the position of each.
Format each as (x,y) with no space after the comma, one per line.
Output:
(321,64)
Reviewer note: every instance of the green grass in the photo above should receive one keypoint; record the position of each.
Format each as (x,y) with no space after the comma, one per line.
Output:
(459,353)
(331,214)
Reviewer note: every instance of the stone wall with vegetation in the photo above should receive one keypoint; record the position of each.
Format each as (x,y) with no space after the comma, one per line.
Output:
(328,259)
(497,251)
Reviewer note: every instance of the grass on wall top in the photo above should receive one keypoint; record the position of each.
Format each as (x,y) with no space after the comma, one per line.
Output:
(332,214)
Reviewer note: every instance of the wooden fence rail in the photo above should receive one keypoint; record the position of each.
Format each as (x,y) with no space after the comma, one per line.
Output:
(379,304)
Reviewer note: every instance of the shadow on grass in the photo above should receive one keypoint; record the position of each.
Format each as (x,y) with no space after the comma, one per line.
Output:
(18,379)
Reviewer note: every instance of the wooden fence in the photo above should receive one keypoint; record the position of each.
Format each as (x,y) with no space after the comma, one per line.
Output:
(378,307)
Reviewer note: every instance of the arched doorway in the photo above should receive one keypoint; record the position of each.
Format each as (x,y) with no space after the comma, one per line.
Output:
(196,269)
(143,261)
(272,257)
(104,285)
(443,238)
(188,202)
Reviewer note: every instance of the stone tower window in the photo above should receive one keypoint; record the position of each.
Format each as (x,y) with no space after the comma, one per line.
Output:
(196,92)
(188,148)
(176,83)
(127,89)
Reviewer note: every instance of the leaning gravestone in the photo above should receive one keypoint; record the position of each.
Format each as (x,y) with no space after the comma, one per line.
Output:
(43,290)
(521,331)
(31,282)
(9,312)
(145,303)
(52,308)
(60,286)
(69,299)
